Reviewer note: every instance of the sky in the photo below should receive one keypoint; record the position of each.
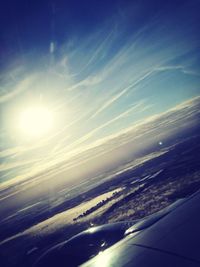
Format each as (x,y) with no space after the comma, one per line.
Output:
(100,67)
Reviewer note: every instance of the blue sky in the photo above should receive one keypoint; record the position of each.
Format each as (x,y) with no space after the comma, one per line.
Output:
(101,66)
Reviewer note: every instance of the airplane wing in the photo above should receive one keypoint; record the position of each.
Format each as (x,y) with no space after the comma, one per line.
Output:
(172,241)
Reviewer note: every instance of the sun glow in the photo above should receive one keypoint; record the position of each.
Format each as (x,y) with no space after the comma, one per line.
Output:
(35,121)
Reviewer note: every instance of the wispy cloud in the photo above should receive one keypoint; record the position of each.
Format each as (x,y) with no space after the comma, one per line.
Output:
(22,86)
(138,107)
(120,94)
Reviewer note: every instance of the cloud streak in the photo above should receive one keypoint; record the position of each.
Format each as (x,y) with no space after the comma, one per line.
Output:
(17,89)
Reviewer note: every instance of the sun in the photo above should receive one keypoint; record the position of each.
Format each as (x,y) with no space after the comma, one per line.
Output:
(35,121)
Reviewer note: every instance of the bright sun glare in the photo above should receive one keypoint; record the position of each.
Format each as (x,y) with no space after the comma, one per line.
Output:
(35,121)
